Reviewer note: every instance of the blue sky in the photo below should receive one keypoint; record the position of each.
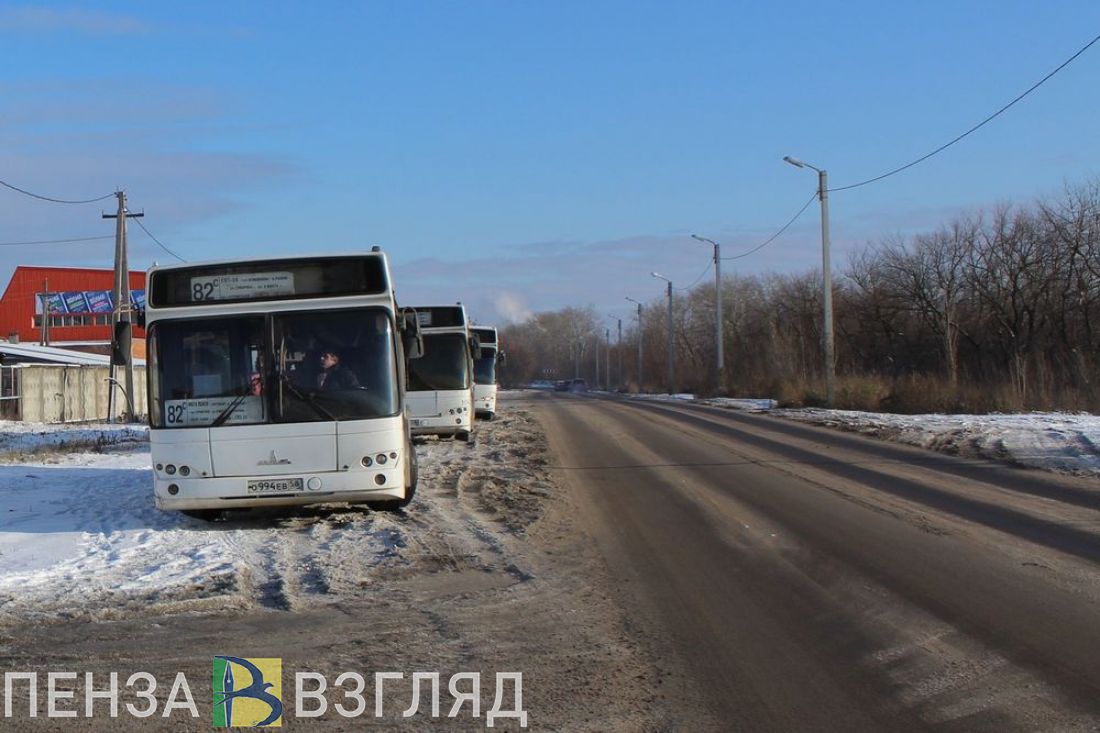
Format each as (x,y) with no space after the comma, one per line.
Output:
(524,156)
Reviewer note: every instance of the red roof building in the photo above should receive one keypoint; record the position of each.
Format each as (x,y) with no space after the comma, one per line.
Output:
(78,300)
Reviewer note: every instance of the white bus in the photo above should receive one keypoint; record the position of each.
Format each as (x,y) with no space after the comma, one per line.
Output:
(440,386)
(485,371)
(278,382)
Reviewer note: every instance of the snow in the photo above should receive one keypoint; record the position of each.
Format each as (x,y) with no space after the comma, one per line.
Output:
(1051,441)
(80,535)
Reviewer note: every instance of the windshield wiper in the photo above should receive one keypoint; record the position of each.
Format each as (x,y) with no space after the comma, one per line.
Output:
(305,398)
(224,414)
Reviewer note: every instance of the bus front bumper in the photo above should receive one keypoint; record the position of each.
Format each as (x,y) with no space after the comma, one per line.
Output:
(289,490)
(442,425)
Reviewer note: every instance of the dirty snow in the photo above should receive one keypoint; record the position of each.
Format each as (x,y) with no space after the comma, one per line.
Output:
(80,535)
(1053,441)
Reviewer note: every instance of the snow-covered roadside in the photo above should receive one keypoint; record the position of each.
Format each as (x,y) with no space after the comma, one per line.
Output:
(80,535)
(1053,441)
(21,439)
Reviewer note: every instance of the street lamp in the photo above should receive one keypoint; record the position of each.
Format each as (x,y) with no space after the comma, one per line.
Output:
(718,361)
(671,387)
(827,298)
(619,348)
(640,382)
(607,358)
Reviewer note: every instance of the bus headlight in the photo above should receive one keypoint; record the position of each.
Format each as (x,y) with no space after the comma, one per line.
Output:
(367,461)
(170,469)
(381,459)
(185,471)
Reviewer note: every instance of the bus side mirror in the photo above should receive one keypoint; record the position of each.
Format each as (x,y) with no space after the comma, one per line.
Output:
(120,344)
(475,347)
(411,338)
(414,345)
(502,358)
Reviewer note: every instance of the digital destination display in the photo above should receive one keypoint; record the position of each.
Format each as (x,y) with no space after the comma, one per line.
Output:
(240,282)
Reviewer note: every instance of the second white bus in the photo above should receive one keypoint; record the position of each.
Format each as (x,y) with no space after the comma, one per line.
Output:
(440,386)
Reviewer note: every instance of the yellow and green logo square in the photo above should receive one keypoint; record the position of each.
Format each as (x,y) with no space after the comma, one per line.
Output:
(248,692)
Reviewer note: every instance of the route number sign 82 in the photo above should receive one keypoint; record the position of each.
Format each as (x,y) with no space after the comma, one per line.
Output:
(201,290)
(174,414)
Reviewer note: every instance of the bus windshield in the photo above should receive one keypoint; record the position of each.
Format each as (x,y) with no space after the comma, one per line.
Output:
(303,366)
(485,368)
(443,365)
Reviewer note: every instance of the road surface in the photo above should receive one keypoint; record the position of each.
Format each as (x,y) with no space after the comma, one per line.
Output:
(792,577)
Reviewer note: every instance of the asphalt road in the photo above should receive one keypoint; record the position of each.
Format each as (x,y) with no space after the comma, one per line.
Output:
(796,578)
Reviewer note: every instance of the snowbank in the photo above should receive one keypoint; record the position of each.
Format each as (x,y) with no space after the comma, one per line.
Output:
(1053,441)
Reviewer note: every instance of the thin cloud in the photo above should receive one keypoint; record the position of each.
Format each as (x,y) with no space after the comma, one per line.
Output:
(38,19)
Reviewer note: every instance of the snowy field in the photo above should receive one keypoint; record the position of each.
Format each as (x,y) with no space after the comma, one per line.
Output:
(80,536)
(1053,441)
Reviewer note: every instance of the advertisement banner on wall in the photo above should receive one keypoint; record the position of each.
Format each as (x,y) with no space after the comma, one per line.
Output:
(55,303)
(99,301)
(75,302)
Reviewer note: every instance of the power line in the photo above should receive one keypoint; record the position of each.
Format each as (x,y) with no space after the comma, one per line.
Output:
(689,287)
(976,127)
(161,244)
(775,236)
(53,200)
(57,241)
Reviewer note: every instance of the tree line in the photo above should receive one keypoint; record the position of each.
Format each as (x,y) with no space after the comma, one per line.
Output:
(999,309)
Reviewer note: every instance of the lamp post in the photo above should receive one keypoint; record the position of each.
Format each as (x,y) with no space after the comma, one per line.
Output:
(607,359)
(597,358)
(640,382)
(671,380)
(618,348)
(719,360)
(827,296)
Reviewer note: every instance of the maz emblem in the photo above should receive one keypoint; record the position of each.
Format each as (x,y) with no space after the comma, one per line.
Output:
(274,460)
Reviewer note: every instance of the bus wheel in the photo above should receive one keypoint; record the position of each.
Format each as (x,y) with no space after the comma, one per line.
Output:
(393,505)
(464,436)
(204,515)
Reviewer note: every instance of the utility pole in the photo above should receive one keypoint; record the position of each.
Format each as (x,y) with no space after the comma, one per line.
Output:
(121,311)
(671,374)
(671,377)
(597,360)
(640,381)
(45,330)
(620,350)
(607,357)
(719,364)
(827,279)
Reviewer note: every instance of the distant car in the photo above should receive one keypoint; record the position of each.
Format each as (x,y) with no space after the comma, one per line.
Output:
(562,385)
(578,385)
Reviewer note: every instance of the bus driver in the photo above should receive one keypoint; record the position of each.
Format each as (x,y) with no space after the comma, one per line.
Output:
(334,375)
